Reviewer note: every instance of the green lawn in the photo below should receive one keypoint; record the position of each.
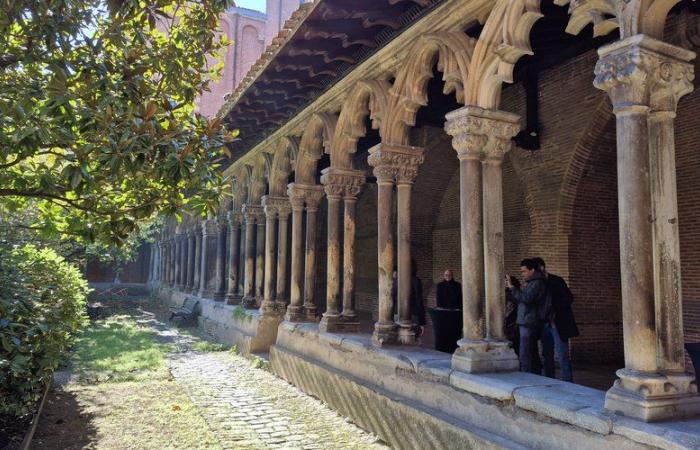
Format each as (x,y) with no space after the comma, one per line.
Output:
(118,349)
(121,395)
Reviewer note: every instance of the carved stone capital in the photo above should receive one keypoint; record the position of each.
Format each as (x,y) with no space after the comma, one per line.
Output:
(479,133)
(209,227)
(395,162)
(234,219)
(309,194)
(275,206)
(642,72)
(253,213)
(342,182)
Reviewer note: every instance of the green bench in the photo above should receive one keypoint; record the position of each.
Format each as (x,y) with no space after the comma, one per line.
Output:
(188,310)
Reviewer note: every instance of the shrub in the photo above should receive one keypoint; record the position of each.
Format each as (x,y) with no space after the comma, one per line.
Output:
(42,306)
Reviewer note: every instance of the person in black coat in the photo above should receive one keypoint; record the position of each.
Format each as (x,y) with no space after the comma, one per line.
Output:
(560,328)
(449,292)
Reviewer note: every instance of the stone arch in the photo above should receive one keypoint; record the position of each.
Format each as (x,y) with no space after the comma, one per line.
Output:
(504,39)
(257,182)
(632,17)
(239,187)
(452,50)
(317,137)
(368,97)
(281,167)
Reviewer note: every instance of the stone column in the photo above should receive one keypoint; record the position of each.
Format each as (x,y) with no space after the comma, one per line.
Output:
(250,213)
(640,73)
(313,196)
(205,277)
(268,307)
(295,308)
(334,191)
(151,260)
(197,230)
(220,266)
(404,184)
(234,231)
(171,261)
(164,263)
(282,244)
(481,138)
(349,316)
(260,258)
(190,260)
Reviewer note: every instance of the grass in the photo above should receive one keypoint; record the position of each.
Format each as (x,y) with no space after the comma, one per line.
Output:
(122,395)
(118,349)
(206,346)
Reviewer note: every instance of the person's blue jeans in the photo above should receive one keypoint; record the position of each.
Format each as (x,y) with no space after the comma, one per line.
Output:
(551,344)
(528,355)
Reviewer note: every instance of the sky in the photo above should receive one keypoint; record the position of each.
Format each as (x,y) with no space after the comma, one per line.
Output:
(252,4)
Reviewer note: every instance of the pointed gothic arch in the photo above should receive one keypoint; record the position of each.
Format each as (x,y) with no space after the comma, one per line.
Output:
(317,137)
(368,97)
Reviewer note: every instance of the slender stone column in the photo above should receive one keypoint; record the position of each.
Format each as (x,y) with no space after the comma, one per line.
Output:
(234,231)
(251,213)
(177,245)
(260,259)
(171,261)
(481,137)
(185,256)
(196,284)
(268,306)
(639,72)
(282,244)
(313,196)
(220,266)
(295,308)
(151,260)
(330,319)
(205,277)
(190,260)
(349,316)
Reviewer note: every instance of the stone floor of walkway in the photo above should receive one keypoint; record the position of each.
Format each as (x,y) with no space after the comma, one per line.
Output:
(243,405)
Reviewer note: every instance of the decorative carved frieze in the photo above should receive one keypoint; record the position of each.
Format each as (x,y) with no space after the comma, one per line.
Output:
(641,71)
(395,162)
(479,133)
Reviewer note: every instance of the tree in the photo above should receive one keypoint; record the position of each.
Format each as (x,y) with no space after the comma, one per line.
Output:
(98,129)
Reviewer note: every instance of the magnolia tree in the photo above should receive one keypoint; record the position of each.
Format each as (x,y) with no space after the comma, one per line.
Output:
(98,128)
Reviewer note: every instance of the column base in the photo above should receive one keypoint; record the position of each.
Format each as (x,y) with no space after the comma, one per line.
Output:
(653,397)
(219,296)
(206,294)
(294,313)
(408,334)
(484,356)
(249,302)
(188,289)
(281,306)
(384,334)
(329,322)
(348,323)
(310,313)
(269,308)
(233,299)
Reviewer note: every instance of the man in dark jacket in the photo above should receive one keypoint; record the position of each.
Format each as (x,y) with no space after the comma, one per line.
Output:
(560,328)
(449,292)
(533,311)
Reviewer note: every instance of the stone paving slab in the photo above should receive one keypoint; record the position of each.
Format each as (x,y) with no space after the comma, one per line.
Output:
(247,407)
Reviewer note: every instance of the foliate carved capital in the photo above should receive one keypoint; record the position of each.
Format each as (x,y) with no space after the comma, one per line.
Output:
(275,206)
(395,162)
(209,227)
(234,219)
(253,213)
(642,72)
(300,194)
(342,182)
(479,133)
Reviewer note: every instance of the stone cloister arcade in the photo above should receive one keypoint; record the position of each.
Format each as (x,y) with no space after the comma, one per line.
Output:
(311,179)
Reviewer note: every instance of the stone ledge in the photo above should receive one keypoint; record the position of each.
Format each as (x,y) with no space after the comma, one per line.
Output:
(565,410)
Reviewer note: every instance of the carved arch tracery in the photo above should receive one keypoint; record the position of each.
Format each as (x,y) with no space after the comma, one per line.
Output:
(317,137)
(452,50)
(281,167)
(368,97)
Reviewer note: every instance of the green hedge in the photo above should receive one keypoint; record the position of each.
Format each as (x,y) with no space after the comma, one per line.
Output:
(42,306)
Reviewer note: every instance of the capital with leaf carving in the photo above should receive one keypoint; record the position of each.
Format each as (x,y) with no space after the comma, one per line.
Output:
(342,182)
(395,162)
(479,133)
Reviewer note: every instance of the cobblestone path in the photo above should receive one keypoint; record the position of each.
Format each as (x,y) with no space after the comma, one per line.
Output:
(247,407)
